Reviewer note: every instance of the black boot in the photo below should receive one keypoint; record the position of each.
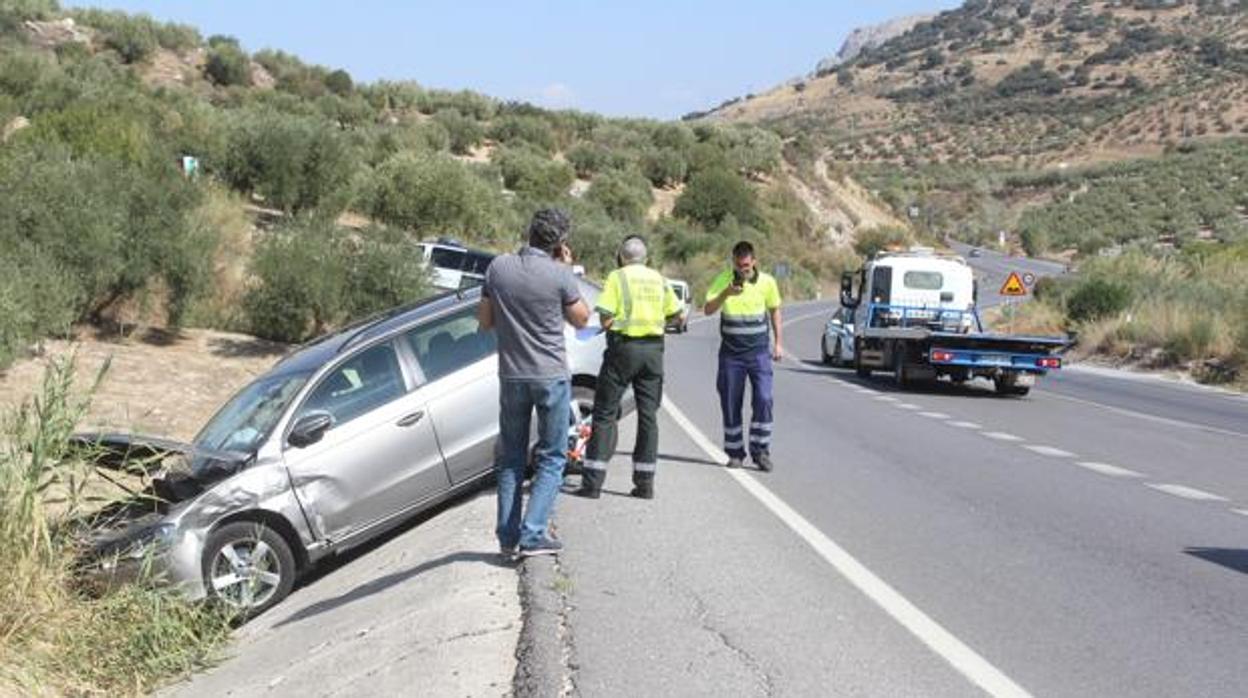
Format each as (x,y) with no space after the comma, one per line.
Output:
(643,485)
(591,483)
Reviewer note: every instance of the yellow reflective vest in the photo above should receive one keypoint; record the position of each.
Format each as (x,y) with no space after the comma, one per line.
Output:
(743,321)
(638,299)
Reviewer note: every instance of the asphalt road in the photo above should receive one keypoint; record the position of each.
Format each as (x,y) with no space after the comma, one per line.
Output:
(1090,539)
(993,268)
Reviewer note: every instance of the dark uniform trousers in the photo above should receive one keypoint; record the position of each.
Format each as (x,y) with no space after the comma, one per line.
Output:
(635,361)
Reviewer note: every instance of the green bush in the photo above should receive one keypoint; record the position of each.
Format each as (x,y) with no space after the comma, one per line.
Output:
(712,196)
(518,130)
(113,229)
(532,174)
(228,65)
(434,195)
(314,277)
(38,298)
(464,133)
(872,240)
(664,167)
(588,159)
(1097,298)
(624,195)
(340,83)
(296,164)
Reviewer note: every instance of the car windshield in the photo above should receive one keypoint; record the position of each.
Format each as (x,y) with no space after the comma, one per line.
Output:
(249,416)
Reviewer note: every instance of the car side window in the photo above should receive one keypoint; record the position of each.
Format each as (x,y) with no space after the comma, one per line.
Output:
(450,343)
(358,385)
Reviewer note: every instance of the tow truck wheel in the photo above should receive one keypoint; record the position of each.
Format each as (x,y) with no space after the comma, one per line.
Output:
(900,374)
(859,368)
(1008,385)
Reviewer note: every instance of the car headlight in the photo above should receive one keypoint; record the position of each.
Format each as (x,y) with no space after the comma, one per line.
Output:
(153,540)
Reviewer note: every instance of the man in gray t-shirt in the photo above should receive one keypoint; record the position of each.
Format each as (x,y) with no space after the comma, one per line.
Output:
(527,297)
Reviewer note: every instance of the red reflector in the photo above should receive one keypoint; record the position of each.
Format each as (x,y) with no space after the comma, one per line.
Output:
(1049,362)
(942,355)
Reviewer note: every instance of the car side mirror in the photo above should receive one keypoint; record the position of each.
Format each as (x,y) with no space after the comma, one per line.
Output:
(847,290)
(310,428)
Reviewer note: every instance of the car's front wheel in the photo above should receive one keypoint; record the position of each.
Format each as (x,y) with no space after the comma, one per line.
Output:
(248,567)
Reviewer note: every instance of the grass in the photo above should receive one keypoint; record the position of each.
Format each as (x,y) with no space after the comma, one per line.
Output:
(55,639)
(1187,310)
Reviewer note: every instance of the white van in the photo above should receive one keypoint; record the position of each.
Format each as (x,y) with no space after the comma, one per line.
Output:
(680,323)
(452,265)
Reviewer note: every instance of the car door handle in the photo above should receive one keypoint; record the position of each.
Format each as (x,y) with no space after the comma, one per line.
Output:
(412,418)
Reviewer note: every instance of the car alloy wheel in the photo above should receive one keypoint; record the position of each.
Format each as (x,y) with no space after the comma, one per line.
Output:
(248,567)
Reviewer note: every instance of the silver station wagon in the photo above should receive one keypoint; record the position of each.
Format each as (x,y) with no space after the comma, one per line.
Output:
(338,442)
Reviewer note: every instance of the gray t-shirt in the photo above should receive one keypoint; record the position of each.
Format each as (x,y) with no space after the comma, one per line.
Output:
(529,291)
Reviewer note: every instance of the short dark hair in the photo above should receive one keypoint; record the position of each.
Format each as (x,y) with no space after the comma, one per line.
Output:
(742,249)
(549,228)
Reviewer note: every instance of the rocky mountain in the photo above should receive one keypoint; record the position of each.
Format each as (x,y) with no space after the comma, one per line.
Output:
(868,38)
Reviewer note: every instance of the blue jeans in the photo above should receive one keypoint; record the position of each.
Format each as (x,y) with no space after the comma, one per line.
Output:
(517,399)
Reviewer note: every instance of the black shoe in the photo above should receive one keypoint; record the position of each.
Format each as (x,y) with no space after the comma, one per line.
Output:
(546,546)
(643,492)
(588,492)
(734,462)
(763,461)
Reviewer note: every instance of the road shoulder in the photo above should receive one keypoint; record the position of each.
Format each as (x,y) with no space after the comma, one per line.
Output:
(430,611)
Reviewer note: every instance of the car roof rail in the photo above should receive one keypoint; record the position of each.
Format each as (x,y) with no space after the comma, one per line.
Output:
(362,327)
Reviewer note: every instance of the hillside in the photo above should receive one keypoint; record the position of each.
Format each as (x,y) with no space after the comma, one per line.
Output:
(1028,81)
(131,150)
(1110,135)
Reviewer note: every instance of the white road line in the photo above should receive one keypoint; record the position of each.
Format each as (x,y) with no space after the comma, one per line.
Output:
(960,656)
(1049,451)
(906,406)
(886,398)
(1002,436)
(965,425)
(1241,512)
(934,415)
(1187,492)
(1148,417)
(1107,469)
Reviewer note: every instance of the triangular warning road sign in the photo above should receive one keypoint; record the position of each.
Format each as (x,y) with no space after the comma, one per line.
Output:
(1013,286)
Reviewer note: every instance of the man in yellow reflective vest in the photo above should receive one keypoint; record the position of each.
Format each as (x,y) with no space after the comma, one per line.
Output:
(635,303)
(746,299)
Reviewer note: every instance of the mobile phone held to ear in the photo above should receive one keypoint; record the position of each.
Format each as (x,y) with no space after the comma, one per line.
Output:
(738,278)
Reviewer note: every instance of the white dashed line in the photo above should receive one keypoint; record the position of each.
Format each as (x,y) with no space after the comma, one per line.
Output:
(906,406)
(965,425)
(958,654)
(1050,451)
(1241,512)
(1107,469)
(886,398)
(1002,436)
(1187,492)
(934,415)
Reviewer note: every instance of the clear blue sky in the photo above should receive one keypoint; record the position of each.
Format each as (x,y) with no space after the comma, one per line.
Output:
(626,58)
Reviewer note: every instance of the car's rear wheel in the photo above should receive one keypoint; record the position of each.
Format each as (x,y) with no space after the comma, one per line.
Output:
(248,567)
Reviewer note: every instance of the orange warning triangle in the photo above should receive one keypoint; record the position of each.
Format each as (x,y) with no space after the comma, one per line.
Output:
(1013,286)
